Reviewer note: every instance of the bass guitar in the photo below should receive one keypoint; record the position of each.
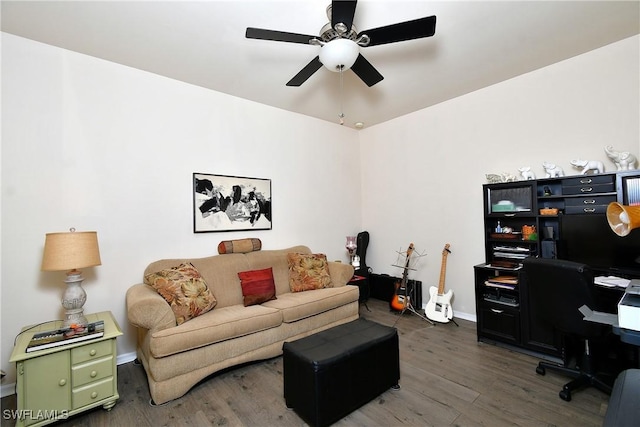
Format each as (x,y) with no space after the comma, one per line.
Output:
(439,306)
(400,298)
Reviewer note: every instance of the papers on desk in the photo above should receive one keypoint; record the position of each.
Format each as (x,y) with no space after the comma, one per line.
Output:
(599,316)
(611,281)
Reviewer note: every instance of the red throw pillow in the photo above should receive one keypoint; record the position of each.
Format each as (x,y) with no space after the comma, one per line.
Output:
(257,286)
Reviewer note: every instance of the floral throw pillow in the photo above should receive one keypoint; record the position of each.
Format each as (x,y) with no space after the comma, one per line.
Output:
(184,289)
(257,286)
(308,272)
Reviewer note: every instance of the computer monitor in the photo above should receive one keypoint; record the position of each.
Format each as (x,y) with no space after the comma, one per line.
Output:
(590,240)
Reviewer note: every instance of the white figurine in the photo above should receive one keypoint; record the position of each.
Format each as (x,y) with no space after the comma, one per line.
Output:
(623,160)
(507,177)
(493,178)
(527,173)
(588,165)
(552,170)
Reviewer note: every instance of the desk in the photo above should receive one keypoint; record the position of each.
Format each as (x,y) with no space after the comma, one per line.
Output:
(627,335)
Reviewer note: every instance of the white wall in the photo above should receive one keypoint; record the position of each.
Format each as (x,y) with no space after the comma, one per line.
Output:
(422,173)
(98,146)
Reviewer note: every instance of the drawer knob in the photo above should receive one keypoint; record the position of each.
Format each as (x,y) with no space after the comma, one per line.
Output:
(62,382)
(93,352)
(94,394)
(93,374)
(589,202)
(497,311)
(585,181)
(589,210)
(586,189)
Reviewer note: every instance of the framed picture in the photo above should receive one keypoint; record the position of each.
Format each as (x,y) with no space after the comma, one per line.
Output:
(230,203)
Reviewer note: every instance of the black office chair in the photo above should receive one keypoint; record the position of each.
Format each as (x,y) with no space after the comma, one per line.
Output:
(556,290)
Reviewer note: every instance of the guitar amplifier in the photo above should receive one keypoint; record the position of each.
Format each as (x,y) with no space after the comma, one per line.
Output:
(383,287)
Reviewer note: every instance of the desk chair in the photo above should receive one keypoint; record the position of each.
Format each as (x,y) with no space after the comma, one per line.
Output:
(556,289)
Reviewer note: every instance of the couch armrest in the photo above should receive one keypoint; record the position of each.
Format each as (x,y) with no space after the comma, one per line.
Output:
(147,309)
(340,273)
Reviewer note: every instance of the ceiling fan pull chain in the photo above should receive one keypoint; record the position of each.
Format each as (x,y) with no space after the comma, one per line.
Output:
(341,115)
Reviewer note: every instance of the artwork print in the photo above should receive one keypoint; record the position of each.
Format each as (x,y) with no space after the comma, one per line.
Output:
(230,203)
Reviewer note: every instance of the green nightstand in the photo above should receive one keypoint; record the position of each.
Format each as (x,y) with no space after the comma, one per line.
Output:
(55,383)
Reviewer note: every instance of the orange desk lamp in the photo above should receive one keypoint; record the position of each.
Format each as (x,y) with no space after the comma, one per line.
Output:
(622,218)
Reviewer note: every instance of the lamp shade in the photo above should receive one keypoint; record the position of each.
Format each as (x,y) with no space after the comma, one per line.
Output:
(70,250)
(339,54)
(622,219)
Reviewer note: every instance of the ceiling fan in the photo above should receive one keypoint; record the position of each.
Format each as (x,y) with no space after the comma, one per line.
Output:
(340,42)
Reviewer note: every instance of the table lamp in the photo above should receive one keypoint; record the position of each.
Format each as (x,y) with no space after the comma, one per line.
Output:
(622,219)
(351,247)
(70,251)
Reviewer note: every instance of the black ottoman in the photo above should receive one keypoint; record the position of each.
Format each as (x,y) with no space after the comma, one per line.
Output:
(332,373)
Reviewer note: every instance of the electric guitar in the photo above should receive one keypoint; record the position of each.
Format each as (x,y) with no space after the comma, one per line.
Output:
(400,299)
(439,306)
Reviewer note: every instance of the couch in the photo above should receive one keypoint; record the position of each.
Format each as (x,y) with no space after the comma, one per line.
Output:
(178,356)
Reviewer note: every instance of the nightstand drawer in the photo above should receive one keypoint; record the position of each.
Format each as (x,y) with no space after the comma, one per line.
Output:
(91,351)
(92,392)
(91,371)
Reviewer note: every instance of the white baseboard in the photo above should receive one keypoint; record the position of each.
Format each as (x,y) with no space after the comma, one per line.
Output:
(466,316)
(8,389)
(459,315)
(121,359)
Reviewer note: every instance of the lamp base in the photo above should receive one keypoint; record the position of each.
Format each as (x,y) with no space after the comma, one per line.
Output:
(74,319)
(73,299)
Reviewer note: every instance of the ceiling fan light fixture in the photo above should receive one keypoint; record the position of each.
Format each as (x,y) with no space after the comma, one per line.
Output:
(339,54)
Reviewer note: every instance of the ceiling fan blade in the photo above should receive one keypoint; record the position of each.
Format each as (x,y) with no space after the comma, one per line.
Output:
(306,72)
(278,36)
(409,30)
(366,71)
(343,11)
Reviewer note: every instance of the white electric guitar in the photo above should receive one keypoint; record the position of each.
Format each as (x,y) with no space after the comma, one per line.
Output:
(439,308)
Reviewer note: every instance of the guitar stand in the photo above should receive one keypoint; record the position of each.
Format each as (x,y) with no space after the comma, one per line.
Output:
(409,307)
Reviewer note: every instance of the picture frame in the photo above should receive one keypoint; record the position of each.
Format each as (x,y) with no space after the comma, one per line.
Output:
(230,203)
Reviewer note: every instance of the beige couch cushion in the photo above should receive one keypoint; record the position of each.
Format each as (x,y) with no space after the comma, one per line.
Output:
(215,326)
(300,305)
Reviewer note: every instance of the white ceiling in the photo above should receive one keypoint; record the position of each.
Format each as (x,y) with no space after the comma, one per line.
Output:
(477,44)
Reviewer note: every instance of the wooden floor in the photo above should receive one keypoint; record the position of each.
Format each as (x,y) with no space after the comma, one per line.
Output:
(447,378)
